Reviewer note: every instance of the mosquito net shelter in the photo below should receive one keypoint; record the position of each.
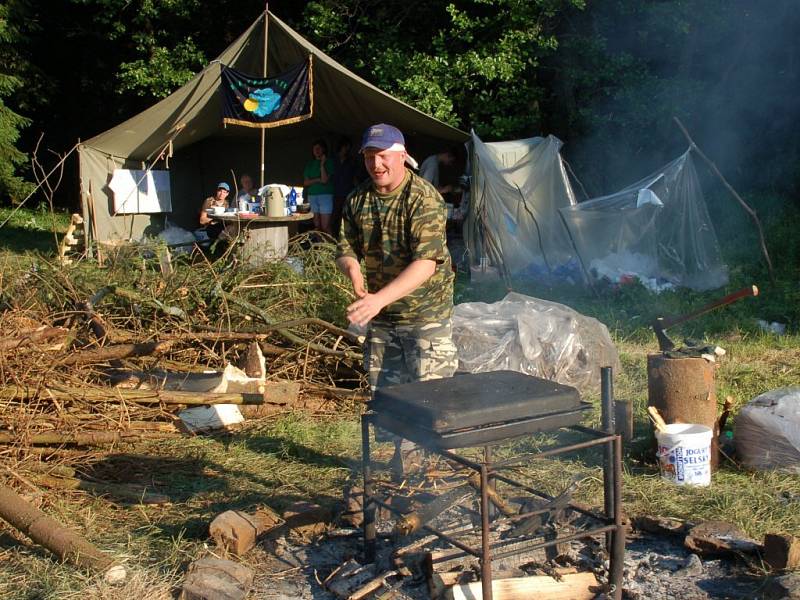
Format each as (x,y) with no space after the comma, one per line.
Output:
(656,230)
(512,220)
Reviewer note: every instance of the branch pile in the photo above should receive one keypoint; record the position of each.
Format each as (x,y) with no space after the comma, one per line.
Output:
(84,350)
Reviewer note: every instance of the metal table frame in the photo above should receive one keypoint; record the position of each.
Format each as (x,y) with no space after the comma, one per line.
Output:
(610,522)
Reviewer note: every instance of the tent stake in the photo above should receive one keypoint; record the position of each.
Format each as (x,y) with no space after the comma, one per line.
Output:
(728,186)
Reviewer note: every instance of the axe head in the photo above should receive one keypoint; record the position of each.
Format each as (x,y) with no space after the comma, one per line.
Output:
(664,343)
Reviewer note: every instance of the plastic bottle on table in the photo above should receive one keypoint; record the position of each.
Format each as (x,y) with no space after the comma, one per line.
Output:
(242,203)
(293,201)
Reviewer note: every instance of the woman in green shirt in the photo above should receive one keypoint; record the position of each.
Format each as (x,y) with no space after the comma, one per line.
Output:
(318,184)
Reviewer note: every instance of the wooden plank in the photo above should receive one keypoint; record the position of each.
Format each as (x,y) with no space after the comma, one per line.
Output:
(580,586)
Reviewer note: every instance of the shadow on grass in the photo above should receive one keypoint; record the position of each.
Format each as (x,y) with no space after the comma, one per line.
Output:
(19,240)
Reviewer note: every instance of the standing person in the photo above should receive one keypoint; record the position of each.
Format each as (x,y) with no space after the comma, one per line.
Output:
(318,184)
(395,223)
(429,169)
(213,228)
(345,178)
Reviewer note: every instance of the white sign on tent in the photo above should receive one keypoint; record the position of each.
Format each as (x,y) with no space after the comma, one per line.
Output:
(137,191)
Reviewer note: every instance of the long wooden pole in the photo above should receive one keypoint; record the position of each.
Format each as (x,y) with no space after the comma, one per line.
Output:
(733,192)
(264,75)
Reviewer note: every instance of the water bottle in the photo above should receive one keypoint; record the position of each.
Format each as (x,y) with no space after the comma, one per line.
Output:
(243,203)
(293,201)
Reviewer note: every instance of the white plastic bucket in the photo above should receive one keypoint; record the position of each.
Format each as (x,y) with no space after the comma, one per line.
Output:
(684,454)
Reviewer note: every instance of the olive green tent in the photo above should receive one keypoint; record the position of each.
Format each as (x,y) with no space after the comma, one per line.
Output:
(184,134)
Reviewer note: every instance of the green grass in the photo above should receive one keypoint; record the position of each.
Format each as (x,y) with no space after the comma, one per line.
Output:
(32,229)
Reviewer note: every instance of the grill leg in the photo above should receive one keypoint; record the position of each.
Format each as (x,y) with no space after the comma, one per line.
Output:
(617,553)
(368,504)
(486,557)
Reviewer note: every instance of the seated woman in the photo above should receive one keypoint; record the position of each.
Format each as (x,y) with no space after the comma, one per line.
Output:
(318,184)
(247,190)
(209,228)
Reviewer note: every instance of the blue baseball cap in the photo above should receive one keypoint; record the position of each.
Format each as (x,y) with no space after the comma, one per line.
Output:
(386,137)
(223,186)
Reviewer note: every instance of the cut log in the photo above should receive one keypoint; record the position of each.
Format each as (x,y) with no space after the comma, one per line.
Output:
(216,579)
(46,531)
(237,532)
(579,586)
(348,577)
(683,391)
(307,519)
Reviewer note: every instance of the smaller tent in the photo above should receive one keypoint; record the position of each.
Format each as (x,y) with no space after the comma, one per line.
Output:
(516,191)
(181,142)
(657,230)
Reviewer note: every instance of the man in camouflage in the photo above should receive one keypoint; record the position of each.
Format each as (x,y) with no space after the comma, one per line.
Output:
(395,223)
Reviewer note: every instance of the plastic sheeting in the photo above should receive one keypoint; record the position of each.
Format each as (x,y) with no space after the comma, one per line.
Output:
(767,431)
(533,336)
(512,218)
(657,229)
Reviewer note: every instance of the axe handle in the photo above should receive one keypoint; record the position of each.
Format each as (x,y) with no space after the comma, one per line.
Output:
(745,292)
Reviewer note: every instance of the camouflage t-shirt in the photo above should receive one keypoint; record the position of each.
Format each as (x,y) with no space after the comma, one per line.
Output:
(390,231)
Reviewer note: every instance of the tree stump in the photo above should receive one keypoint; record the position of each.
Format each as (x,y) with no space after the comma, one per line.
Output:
(683,391)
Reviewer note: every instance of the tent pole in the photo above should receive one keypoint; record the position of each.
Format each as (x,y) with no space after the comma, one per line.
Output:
(264,74)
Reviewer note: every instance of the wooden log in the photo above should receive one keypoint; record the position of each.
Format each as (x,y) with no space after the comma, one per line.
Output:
(237,532)
(46,531)
(782,551)
(578,586)
(683,391)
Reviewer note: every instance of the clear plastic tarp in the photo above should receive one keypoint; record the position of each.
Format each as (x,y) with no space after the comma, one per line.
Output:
(512,220)
(656,230)
(533,336)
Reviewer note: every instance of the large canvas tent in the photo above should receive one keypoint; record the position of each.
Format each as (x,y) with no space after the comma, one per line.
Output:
(184,133)
(512,219)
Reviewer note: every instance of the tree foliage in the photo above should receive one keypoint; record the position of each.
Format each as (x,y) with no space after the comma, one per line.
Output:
(11,158)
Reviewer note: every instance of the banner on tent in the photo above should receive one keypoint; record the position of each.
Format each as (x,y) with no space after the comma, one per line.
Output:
(267,102)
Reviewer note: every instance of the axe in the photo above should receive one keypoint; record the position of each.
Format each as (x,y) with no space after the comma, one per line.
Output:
(661,324)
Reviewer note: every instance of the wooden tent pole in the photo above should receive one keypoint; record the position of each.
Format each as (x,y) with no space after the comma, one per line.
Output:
(264,74)
(747,208)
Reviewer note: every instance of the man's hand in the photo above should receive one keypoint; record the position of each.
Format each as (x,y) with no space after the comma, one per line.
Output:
(363,310)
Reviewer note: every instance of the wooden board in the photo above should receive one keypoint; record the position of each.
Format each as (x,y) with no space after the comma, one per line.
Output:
(578,586)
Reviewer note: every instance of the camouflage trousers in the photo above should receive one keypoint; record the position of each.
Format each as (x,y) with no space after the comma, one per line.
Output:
(405,353)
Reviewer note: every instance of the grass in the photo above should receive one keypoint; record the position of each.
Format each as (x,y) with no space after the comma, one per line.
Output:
(32,229)
(298,458)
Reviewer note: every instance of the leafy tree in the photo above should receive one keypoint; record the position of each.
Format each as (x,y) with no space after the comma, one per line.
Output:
(11,158)
(471,64)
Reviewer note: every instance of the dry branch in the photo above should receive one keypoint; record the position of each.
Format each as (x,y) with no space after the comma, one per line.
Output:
(116,352)
(733,192)
(42,334)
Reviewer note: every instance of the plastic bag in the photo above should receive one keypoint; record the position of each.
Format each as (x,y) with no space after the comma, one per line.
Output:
(767,431)
(537,337)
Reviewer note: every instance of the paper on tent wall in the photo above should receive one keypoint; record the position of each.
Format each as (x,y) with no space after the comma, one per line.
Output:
(139,191)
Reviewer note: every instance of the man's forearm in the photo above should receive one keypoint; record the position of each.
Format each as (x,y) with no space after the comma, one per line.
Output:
(409,279)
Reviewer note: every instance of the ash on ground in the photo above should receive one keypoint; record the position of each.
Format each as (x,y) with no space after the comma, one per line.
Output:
(656,567)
